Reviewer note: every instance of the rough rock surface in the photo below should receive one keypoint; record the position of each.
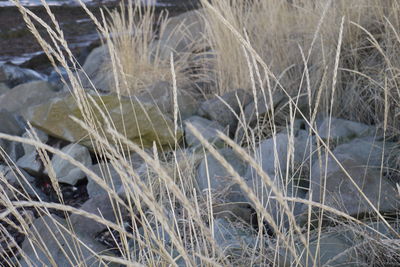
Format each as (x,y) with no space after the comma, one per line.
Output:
(65,171)
(143,123)
(207,128)
(344,129)
(58,248)
(221,182)
(226,109)
(26,95)
(13,75)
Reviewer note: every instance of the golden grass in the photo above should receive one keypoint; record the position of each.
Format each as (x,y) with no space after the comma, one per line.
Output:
(342,55)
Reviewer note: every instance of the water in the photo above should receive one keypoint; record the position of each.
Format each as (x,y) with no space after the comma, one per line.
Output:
(4,3)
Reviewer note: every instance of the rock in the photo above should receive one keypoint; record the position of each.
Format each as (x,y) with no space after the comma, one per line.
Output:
(233,212)
(263,107)
(99,205)
(342,195)
(13,75)
(221,182)
(110,176)
(60,245)
(3,88)
(334,247)
(161,95)
(65,171)
(53,118)
(207,128)
(43,137)
(94,71)
(232,240)
(182,34)
(344,129)
(10,125)
(220,109)
(31,163)
(26,95)
(20,182)
(370,151)
(272,156)
(340,246)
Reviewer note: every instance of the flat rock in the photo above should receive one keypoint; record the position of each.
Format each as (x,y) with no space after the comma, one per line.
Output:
(65,171)
(23,96)
(143,123)
(60,247)
(226,109)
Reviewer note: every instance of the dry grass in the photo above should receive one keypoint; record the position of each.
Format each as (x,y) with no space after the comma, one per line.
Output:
(342,55)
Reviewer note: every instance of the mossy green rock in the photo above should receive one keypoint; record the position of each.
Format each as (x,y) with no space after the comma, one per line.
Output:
(140,123)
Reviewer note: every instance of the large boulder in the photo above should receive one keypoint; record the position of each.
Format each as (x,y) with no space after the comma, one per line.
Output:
(61,247)
(329,183)
(26,95)
(142,123)
(288,174)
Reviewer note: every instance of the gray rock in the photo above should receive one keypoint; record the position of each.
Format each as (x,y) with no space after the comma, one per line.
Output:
(232,240)
(344,129)
(272,155)
(20,184)
(183,34)
(99,205)
(370,151)
(31,163)
(13,75)
(226,109)
(263,107)
(95,71)
(334,248)
(60,247)
(108,173)
(26,95)
(160,94)
(342,195)
(221,182)
(65,171)
(3,88)
(10,125)
(235,212)
(110,176)
(206,127)
(43,137)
